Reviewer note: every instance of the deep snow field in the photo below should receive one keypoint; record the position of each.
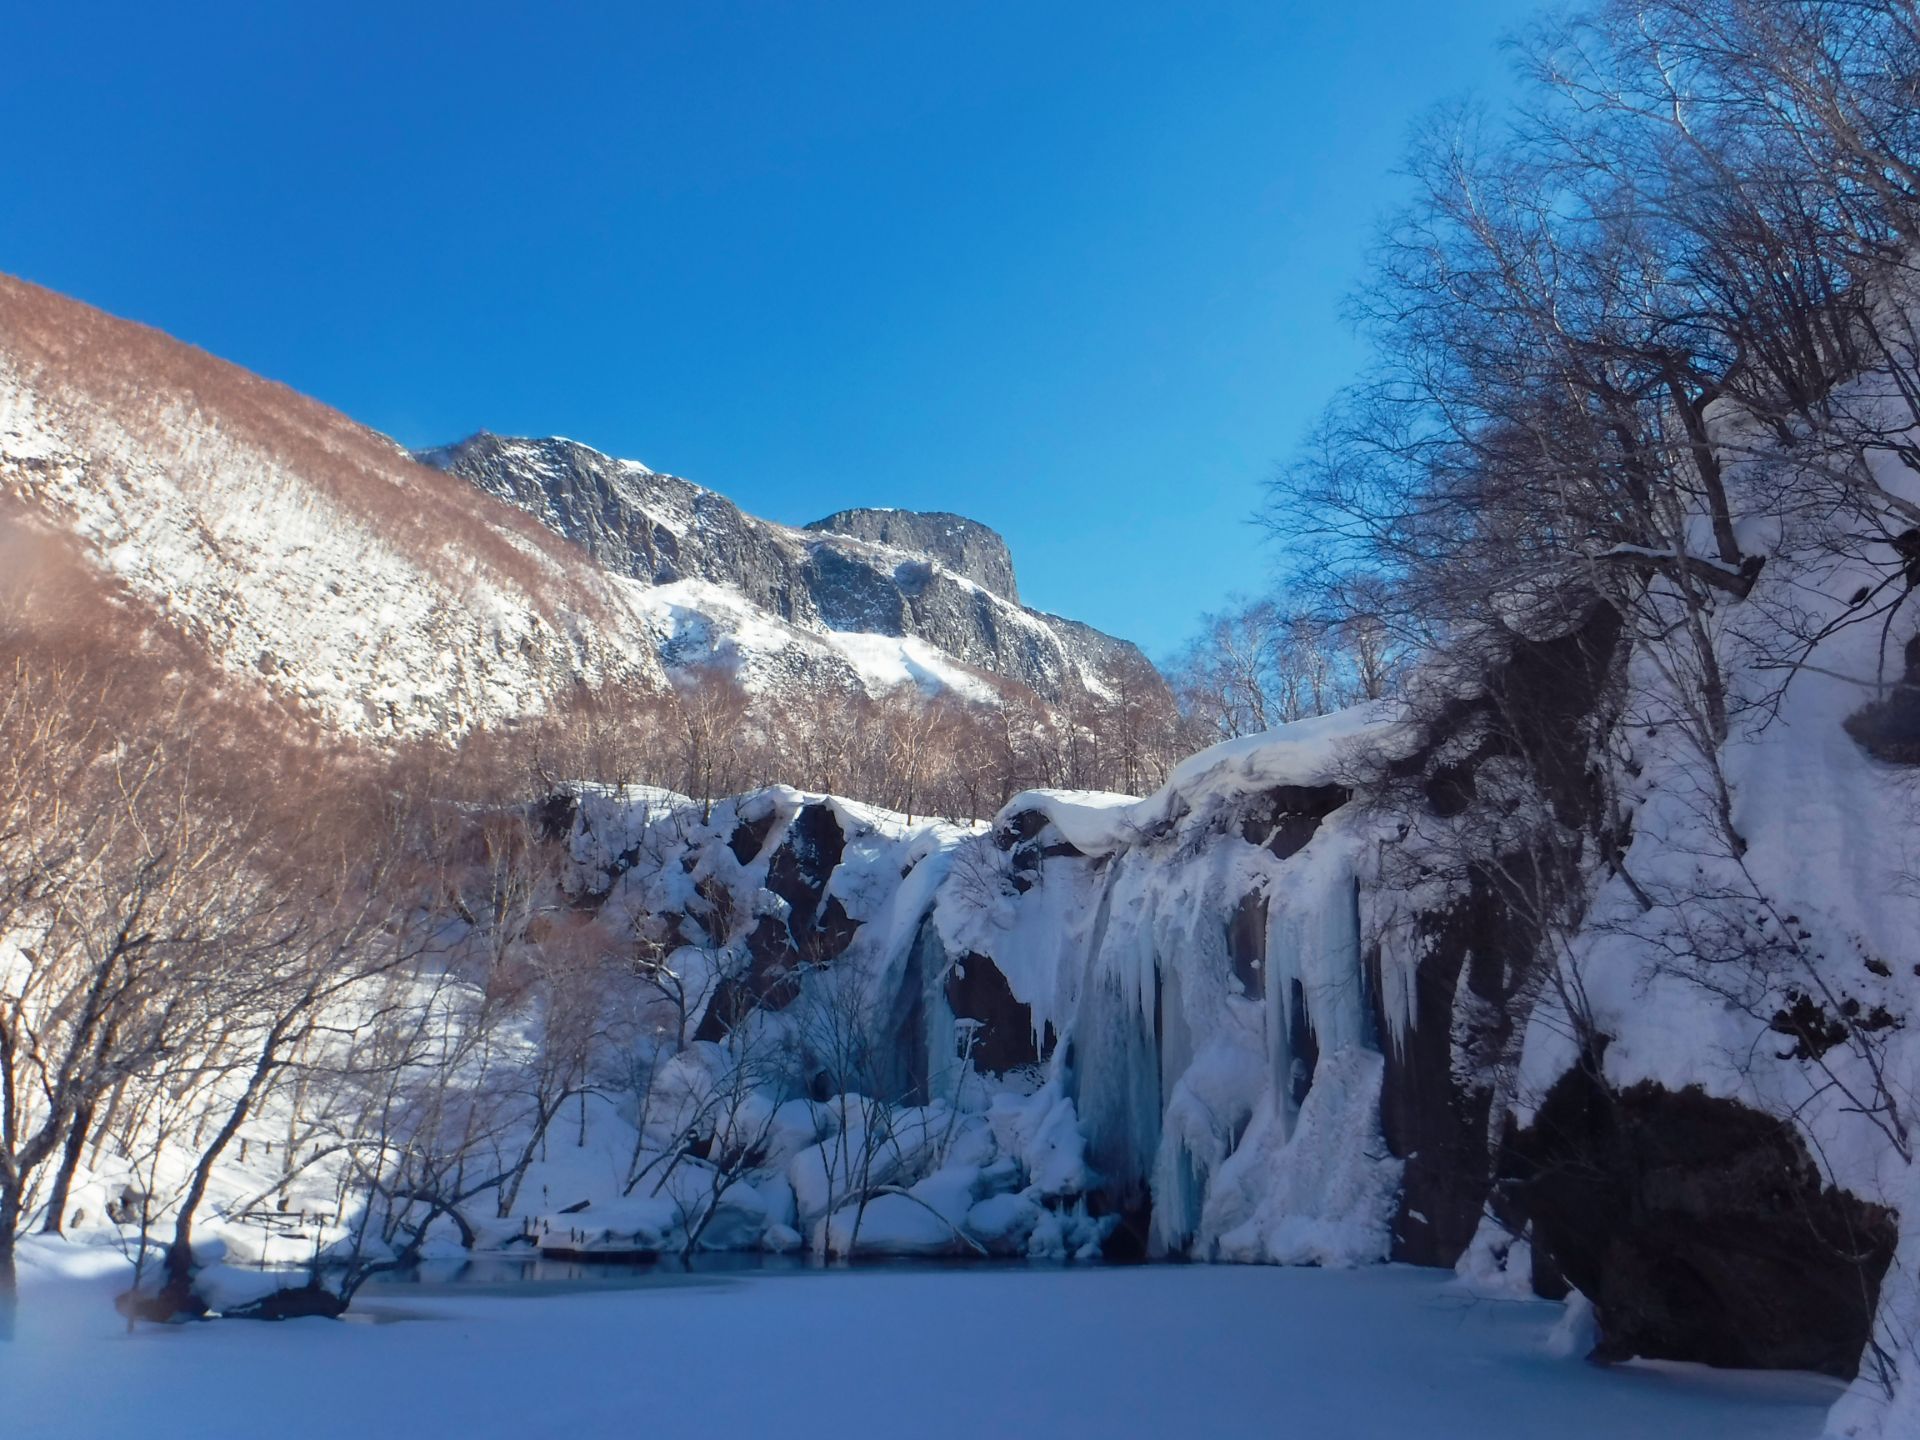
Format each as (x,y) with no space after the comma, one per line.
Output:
(1188,1351)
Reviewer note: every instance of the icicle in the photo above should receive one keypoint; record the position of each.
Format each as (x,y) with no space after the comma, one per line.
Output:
(1282,971)
(1326,919)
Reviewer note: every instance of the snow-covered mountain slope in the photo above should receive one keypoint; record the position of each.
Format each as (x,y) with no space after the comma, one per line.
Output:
(1529,977)
(941,580)
(378,594)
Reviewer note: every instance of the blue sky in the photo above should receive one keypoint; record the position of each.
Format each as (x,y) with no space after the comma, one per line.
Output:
(1073,269)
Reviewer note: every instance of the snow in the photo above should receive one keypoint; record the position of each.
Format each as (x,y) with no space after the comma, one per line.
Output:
(926,1219)
(1044,1132)
(1316,751)
(1576,1334)
(382,597)
(1179,1071)
(1696,557)
(1166,1350)
(888,662)
(1094,822)
(1819,897)
(698,623)
(1323,1194)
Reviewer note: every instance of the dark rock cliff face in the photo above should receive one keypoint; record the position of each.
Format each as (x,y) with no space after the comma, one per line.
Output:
(1003,1037)
(940,578)
(966,547)
(1285,818)
(1549,703)
(815,930)
(1700,1229)
(1889,728)
(651,527)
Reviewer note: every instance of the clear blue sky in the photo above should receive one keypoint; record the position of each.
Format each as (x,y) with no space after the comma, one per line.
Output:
(1073,269)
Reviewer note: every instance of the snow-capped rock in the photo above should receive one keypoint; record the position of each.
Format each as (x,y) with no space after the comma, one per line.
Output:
(940,580)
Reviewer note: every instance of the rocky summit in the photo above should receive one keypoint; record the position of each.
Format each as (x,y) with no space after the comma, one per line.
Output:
(936,577)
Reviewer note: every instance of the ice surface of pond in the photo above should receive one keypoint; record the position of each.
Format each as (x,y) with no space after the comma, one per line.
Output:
(533,1276)
(1185,1351)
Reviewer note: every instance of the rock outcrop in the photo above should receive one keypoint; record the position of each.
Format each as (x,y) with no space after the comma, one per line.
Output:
(322,566)
(966,547)
(1700,1228)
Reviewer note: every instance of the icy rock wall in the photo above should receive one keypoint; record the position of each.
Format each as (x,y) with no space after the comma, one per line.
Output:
(1251,1018)
(1183,976)
(1198,955)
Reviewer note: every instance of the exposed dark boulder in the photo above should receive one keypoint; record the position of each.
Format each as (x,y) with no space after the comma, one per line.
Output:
(1004,1035)
(1546,701)
(749,837)
(553,817)
(1700,1229)
(1450,788)
(1018,828)
(1889,728)
(772,978)
(732,1002)
(816,928)
(769,944)
(833,932)
(1285,818)
(1022,837)
(1434,1101)
(804,862)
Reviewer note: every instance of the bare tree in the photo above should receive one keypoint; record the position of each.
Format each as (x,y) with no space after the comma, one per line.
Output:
(710,713)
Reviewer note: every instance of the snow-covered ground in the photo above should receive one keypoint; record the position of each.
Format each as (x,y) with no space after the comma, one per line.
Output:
(1201,1351)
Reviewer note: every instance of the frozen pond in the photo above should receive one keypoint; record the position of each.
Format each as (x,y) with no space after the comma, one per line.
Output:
(535,1276)
(1187,1351)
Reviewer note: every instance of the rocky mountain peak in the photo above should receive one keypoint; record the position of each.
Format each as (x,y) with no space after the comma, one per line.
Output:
(966,547)
(906,575)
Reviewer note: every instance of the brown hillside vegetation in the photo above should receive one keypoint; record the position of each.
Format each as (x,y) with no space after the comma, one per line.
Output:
(381,597)
(76,645)
(159,388)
